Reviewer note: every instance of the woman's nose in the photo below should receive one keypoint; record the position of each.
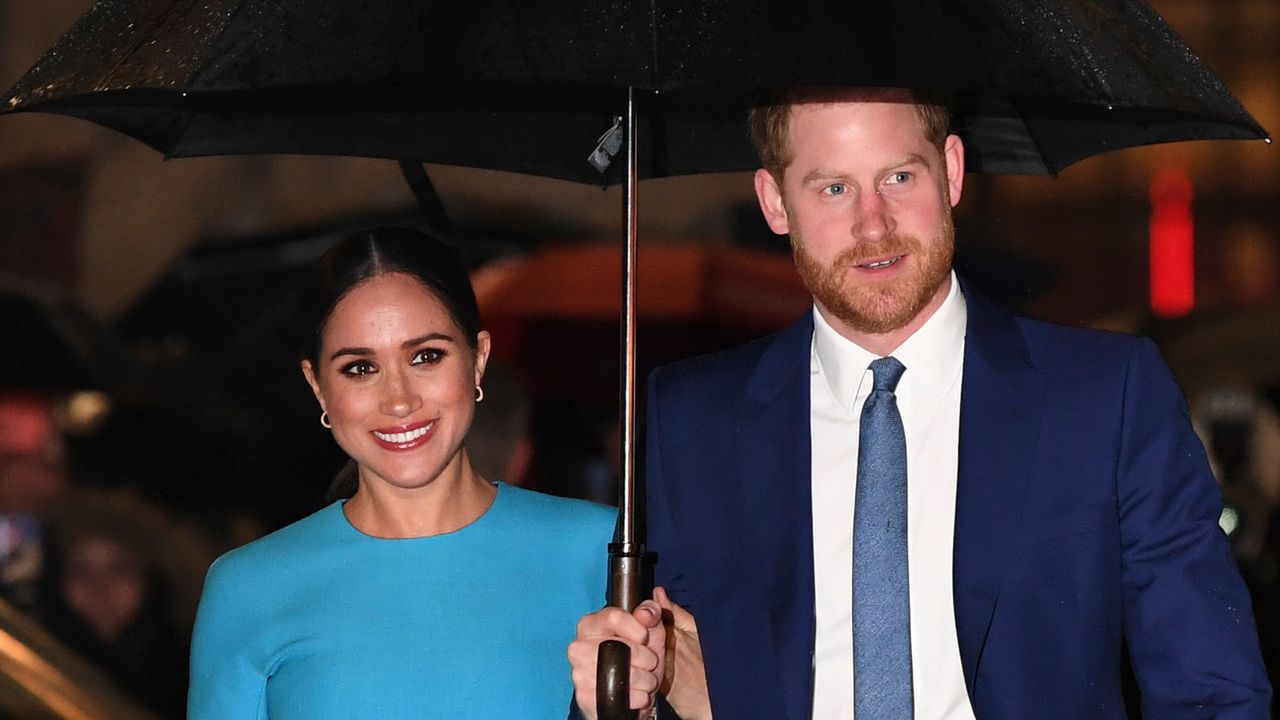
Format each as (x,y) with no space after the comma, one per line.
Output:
(399,398)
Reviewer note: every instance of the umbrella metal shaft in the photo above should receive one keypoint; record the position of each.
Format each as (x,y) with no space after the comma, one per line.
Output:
(628,577)
(626,491)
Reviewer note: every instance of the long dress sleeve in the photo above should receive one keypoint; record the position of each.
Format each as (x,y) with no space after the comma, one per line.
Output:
(226,680)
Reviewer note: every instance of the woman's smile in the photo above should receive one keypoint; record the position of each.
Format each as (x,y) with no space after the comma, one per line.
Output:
(405,438)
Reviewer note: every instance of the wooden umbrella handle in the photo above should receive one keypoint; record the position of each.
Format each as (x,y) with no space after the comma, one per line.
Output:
(613,681)
(630,582)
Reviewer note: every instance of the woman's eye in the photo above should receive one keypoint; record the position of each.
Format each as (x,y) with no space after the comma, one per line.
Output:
(359,368)
(429,356)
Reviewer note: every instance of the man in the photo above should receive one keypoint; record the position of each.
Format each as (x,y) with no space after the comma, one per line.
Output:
(1027,498)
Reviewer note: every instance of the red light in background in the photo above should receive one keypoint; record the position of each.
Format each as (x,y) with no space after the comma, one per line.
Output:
(1173,269)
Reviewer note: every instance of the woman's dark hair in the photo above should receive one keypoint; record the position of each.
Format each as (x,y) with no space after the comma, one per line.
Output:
(368,254)
(382,251)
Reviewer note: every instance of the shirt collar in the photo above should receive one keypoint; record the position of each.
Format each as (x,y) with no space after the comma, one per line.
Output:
(933,355)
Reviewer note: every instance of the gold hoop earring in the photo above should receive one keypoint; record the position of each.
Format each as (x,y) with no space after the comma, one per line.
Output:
(324,419)
(479,393)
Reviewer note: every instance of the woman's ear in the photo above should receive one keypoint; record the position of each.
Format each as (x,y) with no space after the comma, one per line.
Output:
(482,354)
(309,373)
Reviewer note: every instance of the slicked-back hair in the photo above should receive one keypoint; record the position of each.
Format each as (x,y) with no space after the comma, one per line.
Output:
(383,251)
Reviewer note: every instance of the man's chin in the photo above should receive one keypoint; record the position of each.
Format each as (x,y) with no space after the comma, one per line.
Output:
(886,310)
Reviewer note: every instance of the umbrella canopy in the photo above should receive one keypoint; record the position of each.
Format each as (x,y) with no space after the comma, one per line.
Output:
(535,86)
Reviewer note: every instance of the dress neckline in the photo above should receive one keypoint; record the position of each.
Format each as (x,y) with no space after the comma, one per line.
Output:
(339,508)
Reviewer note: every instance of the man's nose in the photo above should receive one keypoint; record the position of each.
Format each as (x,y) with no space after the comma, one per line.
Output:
(873,219)
(399,397)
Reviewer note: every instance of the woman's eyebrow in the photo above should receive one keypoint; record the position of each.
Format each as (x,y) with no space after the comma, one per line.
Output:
(427,338)
(350,351)
(364,351)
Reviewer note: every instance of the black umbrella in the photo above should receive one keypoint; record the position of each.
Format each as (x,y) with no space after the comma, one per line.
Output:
(533,85)
(560,87)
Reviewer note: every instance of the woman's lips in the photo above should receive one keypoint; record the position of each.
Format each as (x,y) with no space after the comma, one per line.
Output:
(406,437)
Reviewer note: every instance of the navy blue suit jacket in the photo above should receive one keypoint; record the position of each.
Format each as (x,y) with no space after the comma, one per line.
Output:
(1085,514)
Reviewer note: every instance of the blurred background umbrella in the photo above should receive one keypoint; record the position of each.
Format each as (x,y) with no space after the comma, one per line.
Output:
(52,344)
(690,299)
(682,282)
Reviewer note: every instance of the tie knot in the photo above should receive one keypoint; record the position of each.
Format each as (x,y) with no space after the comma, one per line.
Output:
(886,372)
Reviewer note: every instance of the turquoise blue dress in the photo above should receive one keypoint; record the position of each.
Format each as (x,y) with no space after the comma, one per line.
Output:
(319,620)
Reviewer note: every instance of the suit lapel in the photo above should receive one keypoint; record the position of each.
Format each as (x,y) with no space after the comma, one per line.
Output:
(772,448)
(1000,409)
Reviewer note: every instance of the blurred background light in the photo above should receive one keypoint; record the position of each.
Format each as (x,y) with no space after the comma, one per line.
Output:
(1172,244)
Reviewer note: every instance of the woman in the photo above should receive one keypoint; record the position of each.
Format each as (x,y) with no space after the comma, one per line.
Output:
(432,592)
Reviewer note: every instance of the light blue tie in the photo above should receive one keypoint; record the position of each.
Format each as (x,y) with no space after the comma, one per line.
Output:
(881,604)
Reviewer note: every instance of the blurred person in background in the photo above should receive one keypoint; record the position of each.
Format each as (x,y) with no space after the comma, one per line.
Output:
(499,444)
(116,562)
(597,476)
(1241,431)
(34,477)
(429,590)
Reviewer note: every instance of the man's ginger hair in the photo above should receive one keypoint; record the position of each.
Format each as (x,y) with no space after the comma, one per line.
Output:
(771,116)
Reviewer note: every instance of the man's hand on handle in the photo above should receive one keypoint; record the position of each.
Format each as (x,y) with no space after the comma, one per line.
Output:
(685,683)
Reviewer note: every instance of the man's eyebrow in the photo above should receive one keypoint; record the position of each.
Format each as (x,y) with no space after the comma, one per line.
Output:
(824,174)
(912,159)
(820,174)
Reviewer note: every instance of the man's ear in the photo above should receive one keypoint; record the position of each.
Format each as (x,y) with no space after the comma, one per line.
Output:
(953,153)
(769,193)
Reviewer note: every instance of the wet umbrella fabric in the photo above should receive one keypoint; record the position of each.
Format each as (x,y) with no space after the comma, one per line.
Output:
(535,86)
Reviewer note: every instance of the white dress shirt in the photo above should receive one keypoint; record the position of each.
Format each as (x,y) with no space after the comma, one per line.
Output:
(929,401)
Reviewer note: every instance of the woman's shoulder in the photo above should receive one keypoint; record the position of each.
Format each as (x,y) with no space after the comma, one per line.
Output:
(555,508)
(559,519)
(290,544)
(574,532)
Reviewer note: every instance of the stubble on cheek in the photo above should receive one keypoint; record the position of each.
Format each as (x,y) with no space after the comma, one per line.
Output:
(868,305)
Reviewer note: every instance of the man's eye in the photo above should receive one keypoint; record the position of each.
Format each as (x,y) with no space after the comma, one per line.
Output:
(429,356)
(898,178)
(359,368)
(835,189)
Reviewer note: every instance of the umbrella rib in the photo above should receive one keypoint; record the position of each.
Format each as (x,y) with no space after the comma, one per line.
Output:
(179,131)
(1049,165)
